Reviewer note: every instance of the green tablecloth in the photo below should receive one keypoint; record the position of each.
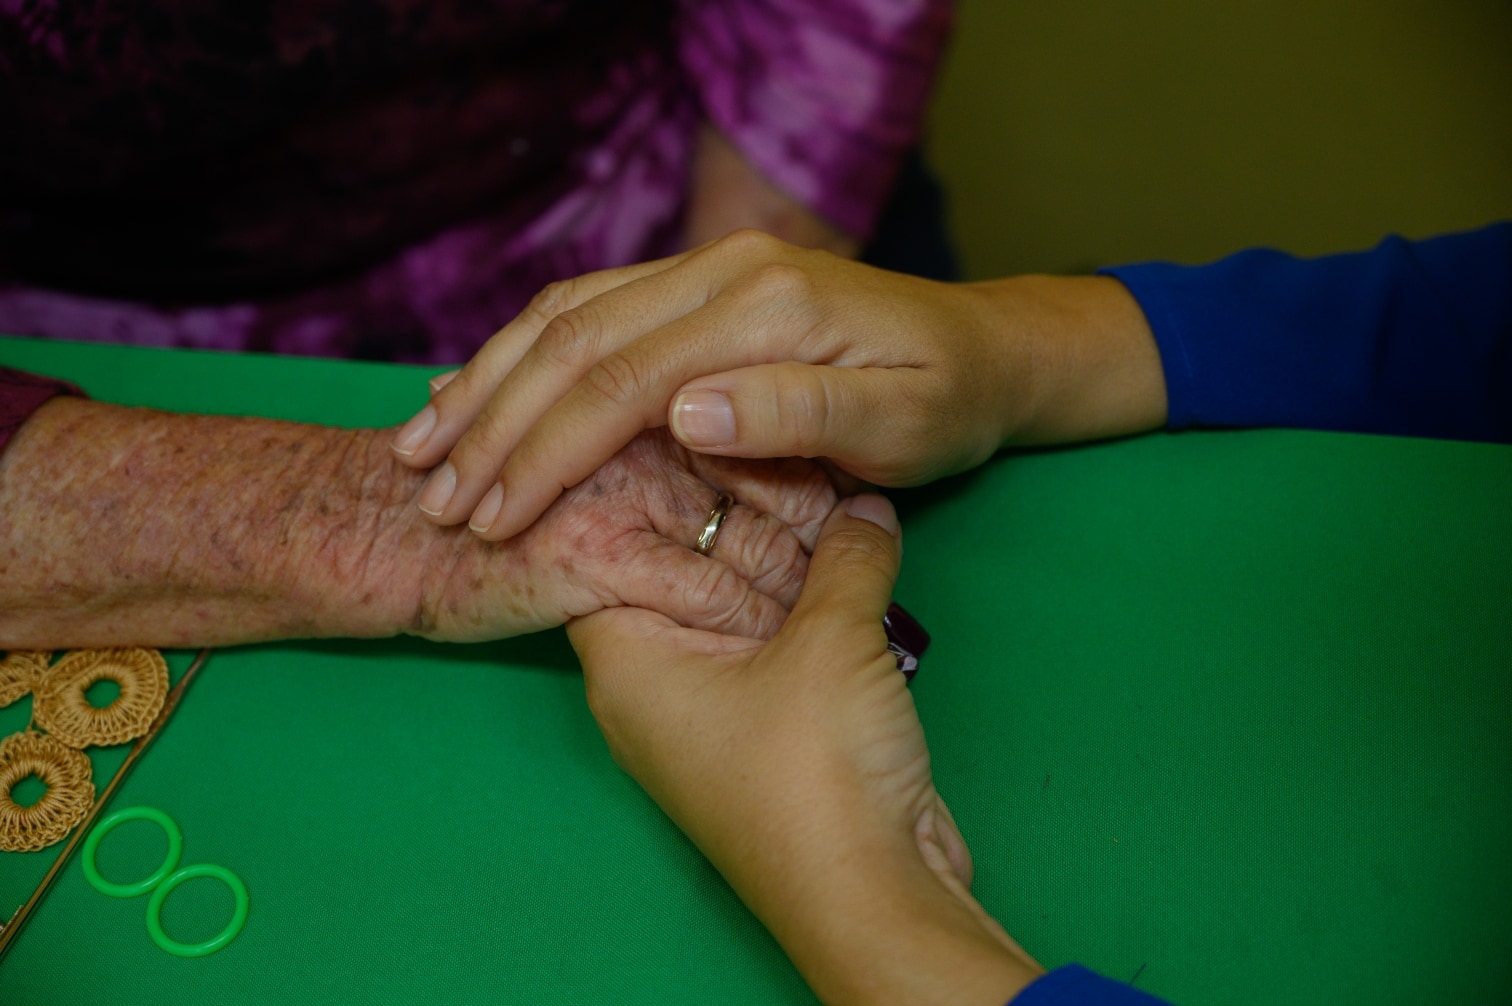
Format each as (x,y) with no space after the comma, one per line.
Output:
(1226,711)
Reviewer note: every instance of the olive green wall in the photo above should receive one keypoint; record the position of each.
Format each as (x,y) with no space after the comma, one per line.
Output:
(1072,135)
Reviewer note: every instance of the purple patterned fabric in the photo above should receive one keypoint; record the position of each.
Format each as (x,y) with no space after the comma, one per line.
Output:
(393,179)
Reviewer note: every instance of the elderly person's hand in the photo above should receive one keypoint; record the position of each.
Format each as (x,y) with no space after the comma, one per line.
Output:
(750,347)
(129,526)
(798,766)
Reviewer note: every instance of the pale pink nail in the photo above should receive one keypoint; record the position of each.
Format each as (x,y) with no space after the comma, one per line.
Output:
(438,490)
(874,508)
(703,419)
(488,509)
(442,380)
(413,435)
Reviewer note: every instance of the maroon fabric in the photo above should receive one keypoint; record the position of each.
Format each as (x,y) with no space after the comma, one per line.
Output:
(21,394)
(386,179)
(906,639)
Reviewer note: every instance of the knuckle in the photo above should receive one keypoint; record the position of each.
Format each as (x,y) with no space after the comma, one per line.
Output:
(749,243)
(615,378)
(529,455)
(566,340)
(755,539)
(552,300)
(713,597)
(808,507)
(758,539)
(860,553)
(485,442)
(780,282)
(802,408)
(774,558)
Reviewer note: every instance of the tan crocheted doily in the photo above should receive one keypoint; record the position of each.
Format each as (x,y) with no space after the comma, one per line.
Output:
(20,671)
(70,793)
(60,707)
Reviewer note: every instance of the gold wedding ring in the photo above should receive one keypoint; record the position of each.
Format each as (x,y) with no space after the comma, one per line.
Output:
(721,510)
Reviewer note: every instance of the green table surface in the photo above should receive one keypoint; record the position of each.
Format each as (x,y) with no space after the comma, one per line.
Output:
(1228,712)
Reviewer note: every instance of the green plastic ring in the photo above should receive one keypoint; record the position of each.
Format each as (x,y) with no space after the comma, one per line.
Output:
(175,848)
(214,943)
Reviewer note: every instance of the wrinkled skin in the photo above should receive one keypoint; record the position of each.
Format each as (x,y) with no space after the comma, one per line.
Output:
(130,526)
(623,537)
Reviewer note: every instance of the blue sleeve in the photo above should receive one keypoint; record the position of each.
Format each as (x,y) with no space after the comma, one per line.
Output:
(1074,985)
(1411,338)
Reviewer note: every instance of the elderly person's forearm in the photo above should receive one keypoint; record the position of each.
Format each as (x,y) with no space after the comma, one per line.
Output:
(132,526)
(122,525)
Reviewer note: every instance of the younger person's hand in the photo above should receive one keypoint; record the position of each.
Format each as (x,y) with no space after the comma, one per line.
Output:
(799,767)
(749,347)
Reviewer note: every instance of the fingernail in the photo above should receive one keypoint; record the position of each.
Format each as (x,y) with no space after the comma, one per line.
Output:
(415,432)
(932,850)
(488,509)
(874,508)
(703,419)
(442,380)
(438,490)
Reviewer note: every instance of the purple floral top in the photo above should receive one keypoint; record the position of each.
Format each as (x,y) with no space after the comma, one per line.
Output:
(393,179)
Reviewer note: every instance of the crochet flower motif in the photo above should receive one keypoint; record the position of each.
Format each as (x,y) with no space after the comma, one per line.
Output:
(20,672)
(61,707)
